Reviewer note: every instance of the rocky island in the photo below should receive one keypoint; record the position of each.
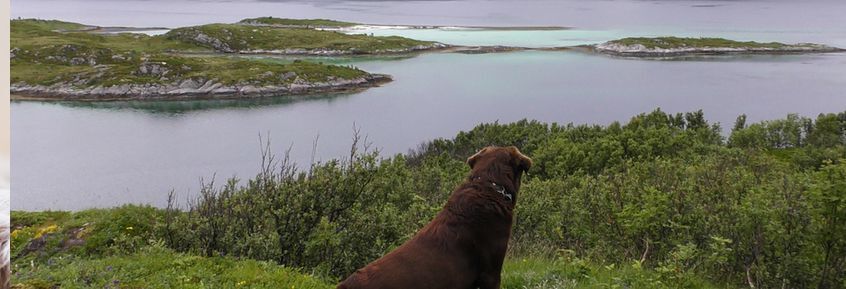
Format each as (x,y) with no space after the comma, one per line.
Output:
(679,46)
(253,39)
(48,64)
(297,23)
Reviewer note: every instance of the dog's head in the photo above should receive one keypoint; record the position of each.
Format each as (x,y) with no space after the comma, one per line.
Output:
(504,162)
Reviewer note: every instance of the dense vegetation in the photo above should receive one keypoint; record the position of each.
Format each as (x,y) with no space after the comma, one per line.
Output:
(656,202)
(247,38)
(304,23)
(120,248)
(40,55)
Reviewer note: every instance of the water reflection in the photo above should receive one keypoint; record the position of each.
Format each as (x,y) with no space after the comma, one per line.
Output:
(183,106)
(175,107)
(108,153)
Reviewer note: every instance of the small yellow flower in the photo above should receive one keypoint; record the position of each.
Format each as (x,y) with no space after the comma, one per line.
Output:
(242,283)
(46,230)
(130,228)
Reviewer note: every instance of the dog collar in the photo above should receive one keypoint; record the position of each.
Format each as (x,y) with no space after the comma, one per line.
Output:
(502,191)
(499,189)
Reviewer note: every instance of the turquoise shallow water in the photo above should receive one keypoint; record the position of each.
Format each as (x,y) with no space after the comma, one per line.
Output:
(536,38)
(574,37)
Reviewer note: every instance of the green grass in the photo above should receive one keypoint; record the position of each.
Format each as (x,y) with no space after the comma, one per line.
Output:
(234,37)
(306,23)
(221,69)
(123,248)
(36,35)
(682,42)
(158,267)
(531,273)
(104,231)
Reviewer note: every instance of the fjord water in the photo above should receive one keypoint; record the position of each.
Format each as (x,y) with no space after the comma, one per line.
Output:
(71,156)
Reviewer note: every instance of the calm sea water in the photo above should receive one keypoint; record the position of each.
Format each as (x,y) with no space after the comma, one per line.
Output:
(72,156)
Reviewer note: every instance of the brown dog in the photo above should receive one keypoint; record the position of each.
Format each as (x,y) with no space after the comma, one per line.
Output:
(464,246)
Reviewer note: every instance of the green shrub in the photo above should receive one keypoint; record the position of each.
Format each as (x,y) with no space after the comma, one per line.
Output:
(654,203)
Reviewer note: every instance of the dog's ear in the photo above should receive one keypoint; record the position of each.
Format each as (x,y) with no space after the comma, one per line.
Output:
(520,160)
(472,159)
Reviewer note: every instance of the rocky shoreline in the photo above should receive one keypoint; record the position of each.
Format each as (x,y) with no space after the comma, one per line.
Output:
(189,89)
(331,52)
(640,50)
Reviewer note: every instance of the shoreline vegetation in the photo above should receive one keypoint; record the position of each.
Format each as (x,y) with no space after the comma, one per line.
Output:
(57,60)
(681,46)
(661,201)
(248,39)
(352,26)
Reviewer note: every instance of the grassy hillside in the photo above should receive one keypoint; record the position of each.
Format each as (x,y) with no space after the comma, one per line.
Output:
(159,267)
(118,248)
(34,34)
(235,37)
(304,23)
(662,201)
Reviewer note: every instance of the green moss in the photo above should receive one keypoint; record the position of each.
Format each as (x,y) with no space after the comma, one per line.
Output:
(234,37)
(306,23)
(681,42)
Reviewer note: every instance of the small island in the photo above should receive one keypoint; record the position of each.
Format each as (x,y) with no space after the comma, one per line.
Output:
(292,40)
(680,46)
(56,60)
(297,23)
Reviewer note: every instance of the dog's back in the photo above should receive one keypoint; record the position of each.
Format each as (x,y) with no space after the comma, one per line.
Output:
(434,258)
(464,246)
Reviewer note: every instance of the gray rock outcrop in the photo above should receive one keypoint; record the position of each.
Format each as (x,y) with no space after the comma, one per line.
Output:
(189,89)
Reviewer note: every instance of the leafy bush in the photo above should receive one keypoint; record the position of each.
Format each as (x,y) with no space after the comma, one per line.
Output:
(664,191)
(334,217)
(652,203)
